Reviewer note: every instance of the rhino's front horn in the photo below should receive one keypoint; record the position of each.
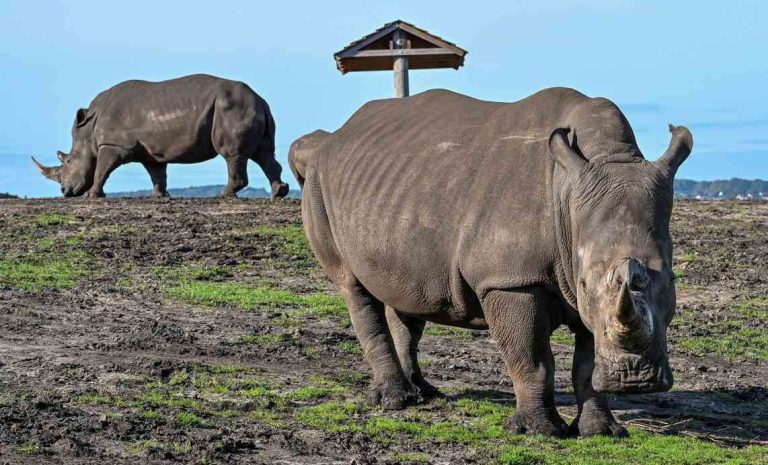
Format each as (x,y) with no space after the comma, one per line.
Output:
(50,172)
(632,327)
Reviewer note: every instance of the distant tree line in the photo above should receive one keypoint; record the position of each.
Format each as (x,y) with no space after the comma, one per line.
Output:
(735,188)
(722,189)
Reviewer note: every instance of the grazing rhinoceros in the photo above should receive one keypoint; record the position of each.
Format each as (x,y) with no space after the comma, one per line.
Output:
(185,120)
(517,217)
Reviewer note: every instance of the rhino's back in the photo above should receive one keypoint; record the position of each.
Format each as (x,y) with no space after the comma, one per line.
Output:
(193,92)
(427,192)
(173,117)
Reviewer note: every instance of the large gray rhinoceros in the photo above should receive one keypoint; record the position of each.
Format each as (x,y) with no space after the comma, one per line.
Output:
(185,120)
(517,217)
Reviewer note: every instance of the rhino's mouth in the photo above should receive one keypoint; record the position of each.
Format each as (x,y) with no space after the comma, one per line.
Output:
(630,373)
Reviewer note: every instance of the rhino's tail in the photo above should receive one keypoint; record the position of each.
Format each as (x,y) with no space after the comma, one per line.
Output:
(267,143)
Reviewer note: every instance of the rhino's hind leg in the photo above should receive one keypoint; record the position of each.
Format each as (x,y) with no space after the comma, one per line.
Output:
(594,417)
(520,323)
(158,174)
(406,333)
(272,171)
(391,389)
(237,168)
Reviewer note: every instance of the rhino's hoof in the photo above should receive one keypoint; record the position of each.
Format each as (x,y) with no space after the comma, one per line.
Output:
(427,391)
(279,190)
(94,194)
(538,424)
(598,424)
(161,195)
(393,396)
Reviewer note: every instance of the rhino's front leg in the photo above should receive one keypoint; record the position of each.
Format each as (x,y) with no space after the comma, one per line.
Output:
(520,323)
(158,174)
(406,333)
(391,389)
(594,417)
(108,158)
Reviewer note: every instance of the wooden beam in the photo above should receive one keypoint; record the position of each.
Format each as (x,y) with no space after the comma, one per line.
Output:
(401,65)
(375,36)
(396,53)
(430,38)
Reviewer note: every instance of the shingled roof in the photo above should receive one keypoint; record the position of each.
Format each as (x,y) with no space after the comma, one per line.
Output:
(374,52)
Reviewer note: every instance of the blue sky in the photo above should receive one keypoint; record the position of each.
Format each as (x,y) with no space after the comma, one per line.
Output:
(702,64)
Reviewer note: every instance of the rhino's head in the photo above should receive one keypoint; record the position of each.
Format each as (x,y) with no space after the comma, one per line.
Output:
(75,174)
(622,260)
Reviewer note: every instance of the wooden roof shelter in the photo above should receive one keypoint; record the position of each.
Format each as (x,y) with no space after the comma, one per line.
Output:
(399,46)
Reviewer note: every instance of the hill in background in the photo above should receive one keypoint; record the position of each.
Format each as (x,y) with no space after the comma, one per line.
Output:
(726,189)
(684,188)
(207,191)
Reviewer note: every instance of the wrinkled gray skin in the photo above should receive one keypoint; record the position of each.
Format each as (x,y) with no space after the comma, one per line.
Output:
(185,120)
(516,217)
(301,150)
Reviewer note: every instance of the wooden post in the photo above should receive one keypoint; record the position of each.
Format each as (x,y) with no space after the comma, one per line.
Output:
(401,65)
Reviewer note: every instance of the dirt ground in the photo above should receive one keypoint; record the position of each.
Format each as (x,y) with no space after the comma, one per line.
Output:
(142,331)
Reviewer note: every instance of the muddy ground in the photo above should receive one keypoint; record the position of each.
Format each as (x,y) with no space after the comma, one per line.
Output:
(201,331)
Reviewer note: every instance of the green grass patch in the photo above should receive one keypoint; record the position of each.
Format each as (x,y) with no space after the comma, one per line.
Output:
(99,399)
(440,331)
(289,240)
(260,339)
(562,336)
(154,445)
(157,399)
(479,424)
(150,415)
(319,388)
(225,369)
(31,448)
(737,343)
(330,416)
(411,457)
(352,347)
(58,271)
(754,307)
(56,262)
(248,297)
(52,219)
(189,420)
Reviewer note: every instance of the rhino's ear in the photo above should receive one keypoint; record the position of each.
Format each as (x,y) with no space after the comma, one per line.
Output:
(562,152)
(679,148)
(82,117)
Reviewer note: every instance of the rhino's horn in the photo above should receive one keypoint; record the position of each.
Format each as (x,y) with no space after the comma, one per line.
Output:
(625,307)
(679,148)
(50,172)
(632,330)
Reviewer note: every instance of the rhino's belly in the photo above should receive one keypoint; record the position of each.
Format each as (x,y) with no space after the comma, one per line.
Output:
(177,148)
(415,276)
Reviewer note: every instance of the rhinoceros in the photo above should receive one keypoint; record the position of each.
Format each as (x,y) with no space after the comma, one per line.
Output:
(186,120)
(514,217)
